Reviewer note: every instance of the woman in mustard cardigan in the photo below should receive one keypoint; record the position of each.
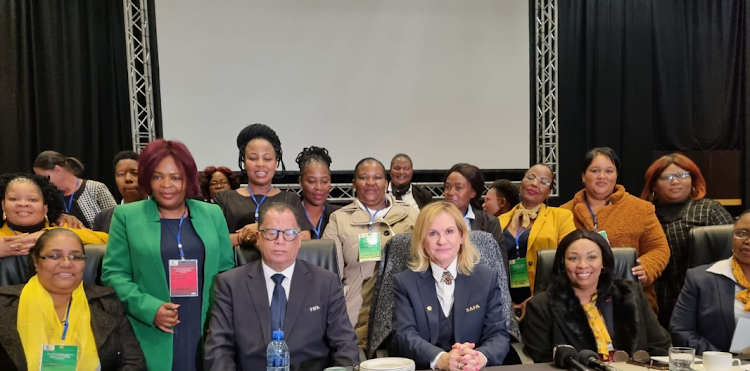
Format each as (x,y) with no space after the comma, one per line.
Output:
(148,238)
(623,219)
(531,226)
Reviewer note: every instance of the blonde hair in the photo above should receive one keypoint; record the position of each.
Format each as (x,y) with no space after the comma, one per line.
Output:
(468,256)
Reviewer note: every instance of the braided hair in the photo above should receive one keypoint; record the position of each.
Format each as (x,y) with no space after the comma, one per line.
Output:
(313,154)
(50,195)
(259,131)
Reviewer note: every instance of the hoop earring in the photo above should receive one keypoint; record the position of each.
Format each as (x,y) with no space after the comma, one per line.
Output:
(4,217)
(693,188)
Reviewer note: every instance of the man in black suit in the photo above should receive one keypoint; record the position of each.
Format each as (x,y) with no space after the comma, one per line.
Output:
(279,292)
(126,178)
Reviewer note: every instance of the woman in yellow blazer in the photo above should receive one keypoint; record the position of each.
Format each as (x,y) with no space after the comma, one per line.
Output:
(530,226)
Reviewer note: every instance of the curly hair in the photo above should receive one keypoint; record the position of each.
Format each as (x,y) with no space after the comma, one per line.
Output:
(259,131)
(50,194)
(208,173)
(313,154)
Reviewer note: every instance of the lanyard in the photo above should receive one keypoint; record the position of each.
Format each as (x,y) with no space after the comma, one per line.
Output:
(320,222)
(70,203)
(67,321)
(257,204)
(372,215)
(179,231)
(519,230)
(593,216)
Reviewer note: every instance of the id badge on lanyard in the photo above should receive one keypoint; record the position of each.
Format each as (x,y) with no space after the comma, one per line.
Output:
(519,273)
(60,357)
(183,278)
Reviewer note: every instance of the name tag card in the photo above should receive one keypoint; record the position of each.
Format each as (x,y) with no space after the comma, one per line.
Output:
(59,358)
(183,278)
(369,247)
(519,273)
(604,234)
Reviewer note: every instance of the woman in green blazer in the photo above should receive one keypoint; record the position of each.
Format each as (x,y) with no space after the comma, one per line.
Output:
(163,256)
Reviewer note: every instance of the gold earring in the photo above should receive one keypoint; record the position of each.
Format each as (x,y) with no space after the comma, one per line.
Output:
(4,217)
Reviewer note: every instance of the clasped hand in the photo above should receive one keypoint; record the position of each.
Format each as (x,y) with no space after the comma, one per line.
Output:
(18,245)
(640,272)
(166,317)
(461,357)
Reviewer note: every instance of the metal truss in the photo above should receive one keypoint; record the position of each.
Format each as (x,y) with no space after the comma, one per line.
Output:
(547,150)
(139,73)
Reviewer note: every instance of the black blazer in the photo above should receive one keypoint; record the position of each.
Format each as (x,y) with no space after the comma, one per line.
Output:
(556,317)
(117,345)
(423,196)
(483,221)
(477,315)
(103,219)
(703,317)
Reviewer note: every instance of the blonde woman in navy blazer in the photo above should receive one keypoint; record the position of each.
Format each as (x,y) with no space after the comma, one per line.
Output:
(472,334)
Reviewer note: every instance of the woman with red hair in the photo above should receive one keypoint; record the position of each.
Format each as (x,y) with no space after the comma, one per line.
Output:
(163,256)
(675,186)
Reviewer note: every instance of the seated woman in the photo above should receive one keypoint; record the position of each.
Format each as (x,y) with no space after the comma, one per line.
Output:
(447,311)
(464,185)
(501,197)
(621,218)
(216,179)
(360,231)
(676,187)
(315,180)
(82,198)
(46,314)
(588,308)
(29,202)
(401,187)
(531,226)
(714,297)
(260,155)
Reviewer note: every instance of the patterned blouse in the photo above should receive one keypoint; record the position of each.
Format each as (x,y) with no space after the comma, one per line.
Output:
(677,220)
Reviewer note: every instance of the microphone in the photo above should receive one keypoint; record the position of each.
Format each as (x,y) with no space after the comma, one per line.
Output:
(591,359)
(565,356)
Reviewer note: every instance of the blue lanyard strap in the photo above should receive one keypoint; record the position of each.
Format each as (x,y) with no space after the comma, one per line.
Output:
(519,230)
(179,232)
(372,215)
(67,321)
(257,204)
(593,216)
(70,202)
(320,222)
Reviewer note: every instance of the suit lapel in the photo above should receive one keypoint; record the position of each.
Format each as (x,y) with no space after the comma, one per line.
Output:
(726,300)
(102,325)
(256,285)
(298,293)
(427,291)
(538,224)
(461,299)
(204,227)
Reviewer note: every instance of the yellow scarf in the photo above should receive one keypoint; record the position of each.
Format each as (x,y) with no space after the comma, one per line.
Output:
(525,215)
(39,324)
(739,275)
(596,322)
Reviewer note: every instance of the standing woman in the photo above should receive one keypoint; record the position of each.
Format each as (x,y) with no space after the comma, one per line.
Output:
(315,180)
(361,230)
(621,218)
(259,157)
(464,185)
(401,187)
(529,227)
(162,257)
(82,198)
(676,187)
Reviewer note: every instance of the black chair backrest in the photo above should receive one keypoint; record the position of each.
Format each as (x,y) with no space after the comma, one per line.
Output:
(14,270)
(318,252)
(92,273)
(625,260)
(710,244)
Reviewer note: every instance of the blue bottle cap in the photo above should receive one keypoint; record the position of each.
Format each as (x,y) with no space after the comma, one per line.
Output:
(278,335)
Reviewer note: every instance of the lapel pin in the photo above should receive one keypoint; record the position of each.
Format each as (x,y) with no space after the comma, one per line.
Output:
(429,308)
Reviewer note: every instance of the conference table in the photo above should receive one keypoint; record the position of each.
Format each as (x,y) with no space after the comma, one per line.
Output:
(550,367)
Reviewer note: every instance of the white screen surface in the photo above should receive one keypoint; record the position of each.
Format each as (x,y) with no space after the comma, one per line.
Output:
(444,81)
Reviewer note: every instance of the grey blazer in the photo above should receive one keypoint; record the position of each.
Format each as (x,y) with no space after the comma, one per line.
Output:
(103,219)
(316,328)
(703,317)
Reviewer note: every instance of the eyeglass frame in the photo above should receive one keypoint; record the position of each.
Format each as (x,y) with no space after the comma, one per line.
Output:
(221,183)
(531,177)
(278,232)
(71,257)
(672,176)
(736,237)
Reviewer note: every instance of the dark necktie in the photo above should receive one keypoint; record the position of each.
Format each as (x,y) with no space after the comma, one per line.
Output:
(278,303)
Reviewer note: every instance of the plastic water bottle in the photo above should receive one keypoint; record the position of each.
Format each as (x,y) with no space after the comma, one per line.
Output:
(277,353)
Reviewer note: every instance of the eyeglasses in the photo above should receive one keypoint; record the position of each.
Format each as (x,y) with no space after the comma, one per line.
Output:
(72,257)
(221,183)
(670,177)
(544,181)
(741,234)
(272,234)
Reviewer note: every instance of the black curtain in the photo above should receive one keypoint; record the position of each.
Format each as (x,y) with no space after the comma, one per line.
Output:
(63,83)
(644,75)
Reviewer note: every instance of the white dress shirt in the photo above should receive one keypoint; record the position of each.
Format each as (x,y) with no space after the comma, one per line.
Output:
(286,283)
(724,268)
(445,291)
(469,216)
(407,198)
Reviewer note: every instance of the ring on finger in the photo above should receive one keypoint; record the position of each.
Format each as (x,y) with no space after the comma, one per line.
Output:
(459,366)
